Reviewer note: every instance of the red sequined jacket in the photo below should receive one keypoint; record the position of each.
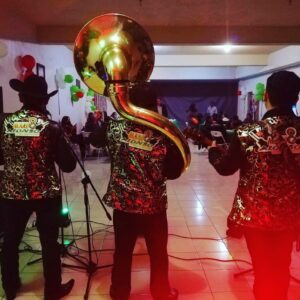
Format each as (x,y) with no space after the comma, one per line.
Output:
(30,143)
(268,156)
(141,161)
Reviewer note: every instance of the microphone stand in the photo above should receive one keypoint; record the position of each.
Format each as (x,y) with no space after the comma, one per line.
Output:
(90,266)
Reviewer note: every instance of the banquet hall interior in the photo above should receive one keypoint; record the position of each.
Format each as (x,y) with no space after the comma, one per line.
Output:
(206,52)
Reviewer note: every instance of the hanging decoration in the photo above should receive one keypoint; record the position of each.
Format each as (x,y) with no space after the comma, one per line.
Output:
(260,91)
(93,107)
(74,89)
(79,94)
(91,100)
(68,78)
(76,93)
(74,98)
(59,78)
(90,93)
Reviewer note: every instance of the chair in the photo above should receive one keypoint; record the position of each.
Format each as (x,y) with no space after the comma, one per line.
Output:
(90,148)
(93,149)
(86,134)
(217,135)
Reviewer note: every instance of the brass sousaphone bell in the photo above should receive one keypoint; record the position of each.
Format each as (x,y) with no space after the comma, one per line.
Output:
(111,53)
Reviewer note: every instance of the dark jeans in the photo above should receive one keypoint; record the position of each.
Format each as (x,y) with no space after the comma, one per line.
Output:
(154,228)
(15,217)
(271,257)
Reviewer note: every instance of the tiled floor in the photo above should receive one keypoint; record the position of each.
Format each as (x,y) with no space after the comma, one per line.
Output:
(199,202)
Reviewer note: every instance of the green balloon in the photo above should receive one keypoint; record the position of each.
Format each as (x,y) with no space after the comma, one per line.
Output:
(74,89)
(93,107)
(74,98)
(90,93)
(260,86)
(68,78)
(259,97)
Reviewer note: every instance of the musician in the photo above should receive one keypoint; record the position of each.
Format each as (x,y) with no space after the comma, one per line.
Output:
(30,144)
(266,206)
(142,159)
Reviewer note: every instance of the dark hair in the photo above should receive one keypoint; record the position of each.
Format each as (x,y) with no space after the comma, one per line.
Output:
(283,88)
(192,108)
(65,120)
(143,95)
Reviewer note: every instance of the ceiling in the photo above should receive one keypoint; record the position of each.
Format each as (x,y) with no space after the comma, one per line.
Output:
(180,22)
(256,28)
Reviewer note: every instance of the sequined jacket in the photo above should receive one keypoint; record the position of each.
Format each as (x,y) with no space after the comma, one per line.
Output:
(30,143)
(268,156)
(141,161)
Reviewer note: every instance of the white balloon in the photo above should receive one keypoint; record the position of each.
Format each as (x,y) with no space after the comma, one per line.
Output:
(59,78)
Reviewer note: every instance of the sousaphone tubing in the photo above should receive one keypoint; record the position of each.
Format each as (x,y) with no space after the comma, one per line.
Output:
(112,52)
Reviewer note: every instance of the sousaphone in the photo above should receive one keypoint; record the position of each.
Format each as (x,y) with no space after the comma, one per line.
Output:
(111,53)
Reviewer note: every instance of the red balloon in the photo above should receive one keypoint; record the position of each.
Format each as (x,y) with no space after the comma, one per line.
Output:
(28,73)
(28,62)
(79,94)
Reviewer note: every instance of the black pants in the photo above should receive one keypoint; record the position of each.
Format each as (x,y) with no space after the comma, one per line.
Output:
(15,217)
(154,228)
(271,257)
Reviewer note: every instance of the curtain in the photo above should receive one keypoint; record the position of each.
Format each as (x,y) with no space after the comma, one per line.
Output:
(179,95)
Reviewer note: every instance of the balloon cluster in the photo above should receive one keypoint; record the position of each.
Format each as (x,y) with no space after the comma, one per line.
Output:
(76,92)
(28,62)
(260,91)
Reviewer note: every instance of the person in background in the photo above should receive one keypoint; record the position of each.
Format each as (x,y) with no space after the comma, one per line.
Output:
(99,116)
(114,116)
(91,123)
(161,108)
(266,206)
(192,117)
(235,122)
(70,132)
(212,109)
(68,128)
(142,159)
(248,119)
(30,144)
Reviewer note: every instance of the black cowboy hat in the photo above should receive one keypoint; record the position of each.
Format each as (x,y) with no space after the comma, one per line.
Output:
(34,86)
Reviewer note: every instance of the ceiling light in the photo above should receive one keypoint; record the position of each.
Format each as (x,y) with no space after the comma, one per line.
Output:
(227,47)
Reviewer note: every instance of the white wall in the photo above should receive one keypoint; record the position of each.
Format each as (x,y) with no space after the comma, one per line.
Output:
(166,67)
(188,67)
(193,73)
(284,59)
(250,86)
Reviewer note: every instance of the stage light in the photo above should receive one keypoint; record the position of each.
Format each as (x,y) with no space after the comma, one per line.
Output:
(65,219)
(65,211)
